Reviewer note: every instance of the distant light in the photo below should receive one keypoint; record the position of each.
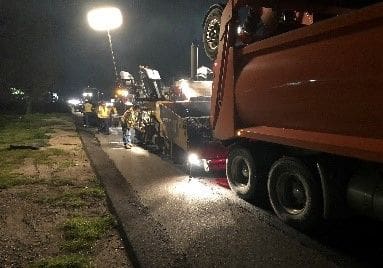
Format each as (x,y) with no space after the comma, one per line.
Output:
(15,91)
(194,159)
(74,101)
(104,19)
(87,94)
(122,92)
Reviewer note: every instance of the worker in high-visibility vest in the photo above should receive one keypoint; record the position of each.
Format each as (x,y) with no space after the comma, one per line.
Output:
(88,110)
(103,116)
(128,123)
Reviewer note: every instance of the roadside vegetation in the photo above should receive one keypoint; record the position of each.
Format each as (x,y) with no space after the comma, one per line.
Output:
(45,174)
(32,130)
(81,232)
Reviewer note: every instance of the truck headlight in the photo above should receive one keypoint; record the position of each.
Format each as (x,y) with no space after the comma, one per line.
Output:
(194,159)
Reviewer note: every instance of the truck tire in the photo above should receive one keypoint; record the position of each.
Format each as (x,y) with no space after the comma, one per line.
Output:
(211,26)
(243,175)
(294,193)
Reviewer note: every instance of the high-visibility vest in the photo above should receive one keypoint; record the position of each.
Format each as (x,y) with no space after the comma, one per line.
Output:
(103,112)
(112,111)
(130,117)
(88,107)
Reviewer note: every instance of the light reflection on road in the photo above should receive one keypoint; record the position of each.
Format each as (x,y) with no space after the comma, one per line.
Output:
(193,189)
(139,151)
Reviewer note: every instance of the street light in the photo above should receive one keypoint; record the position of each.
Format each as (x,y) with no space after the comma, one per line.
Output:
(106,19)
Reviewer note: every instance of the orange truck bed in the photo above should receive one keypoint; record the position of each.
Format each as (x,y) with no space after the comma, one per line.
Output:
(319,87)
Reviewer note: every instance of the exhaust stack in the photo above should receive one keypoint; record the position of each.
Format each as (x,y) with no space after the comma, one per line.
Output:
(193,62)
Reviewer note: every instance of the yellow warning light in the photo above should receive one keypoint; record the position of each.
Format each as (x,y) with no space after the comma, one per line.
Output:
(122,92)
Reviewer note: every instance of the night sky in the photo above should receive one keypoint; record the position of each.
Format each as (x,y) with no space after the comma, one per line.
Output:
(155,33)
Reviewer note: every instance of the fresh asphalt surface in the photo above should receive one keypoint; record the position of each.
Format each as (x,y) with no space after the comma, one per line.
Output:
(170,220)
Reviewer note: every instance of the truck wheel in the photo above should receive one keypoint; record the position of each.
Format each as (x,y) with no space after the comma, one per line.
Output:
(243,176)
(211,26)
(294,193)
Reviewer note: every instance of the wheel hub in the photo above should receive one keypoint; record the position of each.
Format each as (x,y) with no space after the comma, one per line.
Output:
(291,194)
(241,171)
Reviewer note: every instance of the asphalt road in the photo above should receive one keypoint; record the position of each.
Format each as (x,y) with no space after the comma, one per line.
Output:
(170,220)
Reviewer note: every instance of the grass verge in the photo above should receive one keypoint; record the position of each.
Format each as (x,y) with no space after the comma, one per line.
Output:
(74,198)
(65,261)
(31,129)
(77,236)
(7,181)
(12,160)
(81,232)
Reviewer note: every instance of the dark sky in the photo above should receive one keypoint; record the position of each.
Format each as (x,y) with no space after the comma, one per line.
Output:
(157,33)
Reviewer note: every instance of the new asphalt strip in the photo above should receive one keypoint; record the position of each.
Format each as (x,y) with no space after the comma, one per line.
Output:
(147,244)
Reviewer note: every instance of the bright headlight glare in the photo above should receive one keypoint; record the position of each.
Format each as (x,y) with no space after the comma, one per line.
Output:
(194,159)
(239,30)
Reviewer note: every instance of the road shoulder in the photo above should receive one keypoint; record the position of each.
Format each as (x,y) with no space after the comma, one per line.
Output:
(145,240)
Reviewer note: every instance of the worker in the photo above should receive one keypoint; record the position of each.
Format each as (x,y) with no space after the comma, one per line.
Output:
(103,116)
(88,110)
(128,122)
(120,109)
(112,114)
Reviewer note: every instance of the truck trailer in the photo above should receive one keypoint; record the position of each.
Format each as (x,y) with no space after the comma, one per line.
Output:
(297,99)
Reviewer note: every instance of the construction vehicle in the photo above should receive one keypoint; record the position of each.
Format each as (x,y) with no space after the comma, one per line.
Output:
(188,134)
(186,120)
(148,87)
(177,128)
(146,92)
(300,108)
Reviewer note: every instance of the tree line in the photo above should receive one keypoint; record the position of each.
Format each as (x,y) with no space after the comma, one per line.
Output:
(29,67)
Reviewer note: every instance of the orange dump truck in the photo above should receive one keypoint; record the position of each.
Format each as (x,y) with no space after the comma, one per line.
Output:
(297,97)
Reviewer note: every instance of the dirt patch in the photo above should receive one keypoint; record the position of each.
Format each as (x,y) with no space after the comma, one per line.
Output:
(65,186)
